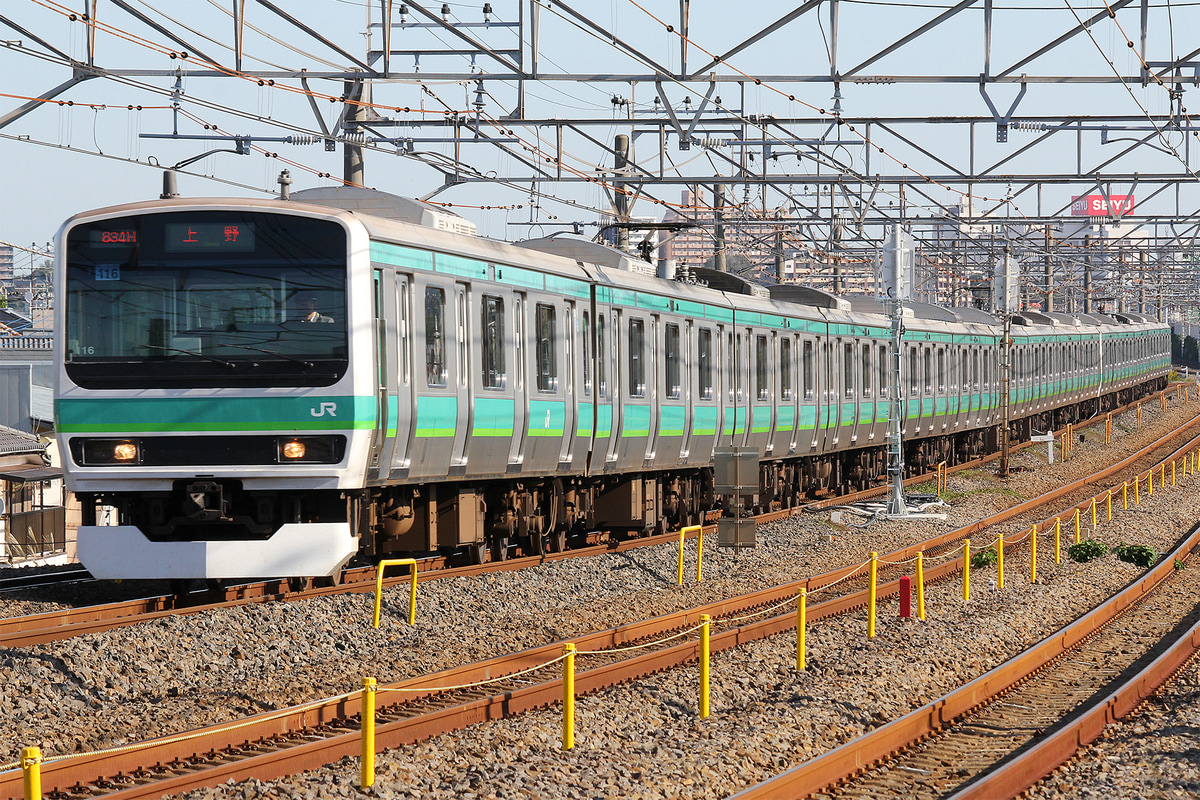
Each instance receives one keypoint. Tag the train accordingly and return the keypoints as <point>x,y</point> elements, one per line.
<point>267,388</point>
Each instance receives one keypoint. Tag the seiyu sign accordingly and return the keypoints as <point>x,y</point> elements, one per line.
<point>1097,205</point>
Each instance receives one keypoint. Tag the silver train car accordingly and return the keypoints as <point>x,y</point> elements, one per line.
<point>265,388</point>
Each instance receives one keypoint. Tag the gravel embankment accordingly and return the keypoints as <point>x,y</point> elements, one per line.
<point>642,740</point>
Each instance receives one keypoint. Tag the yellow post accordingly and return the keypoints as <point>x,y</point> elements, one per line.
<point>921,585</point>
<point>31,765</point>
<point>368,733</point>
<point>1033,554</point>
<point>699,553</point>
<point>1108,505</point>
<point>871,590</point>
<point>1137,496</point>
<point>801,622</point>
<point>1125,496</point>
<point>1150,481</point>
<point>1057,540</point>
<point>1162,475</point>
<point>679,580</point>
<point>568,736</point>
<point>412,587</point>
<point>966,570</point>
<point>1093,513</point>
<point>1000,560</point>
<point>1139,414</point>
<point>1077,526</point>
<point>705,624</point>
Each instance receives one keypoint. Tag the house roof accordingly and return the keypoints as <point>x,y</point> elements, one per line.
<point>15,442</point>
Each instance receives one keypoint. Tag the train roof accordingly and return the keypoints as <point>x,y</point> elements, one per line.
<point>386,205</point>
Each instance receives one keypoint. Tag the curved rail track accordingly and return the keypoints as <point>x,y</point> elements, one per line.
<point>303,737</point>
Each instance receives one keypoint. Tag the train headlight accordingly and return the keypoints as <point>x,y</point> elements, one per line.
<point>294,450</point>
<point>110,452</point>
<point>125,452</point>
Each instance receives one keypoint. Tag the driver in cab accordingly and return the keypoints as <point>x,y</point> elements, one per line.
<point>309,311</point>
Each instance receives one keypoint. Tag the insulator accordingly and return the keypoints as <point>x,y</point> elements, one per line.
<point>302,138</point>
<point>355,138</point>
<point>712,142</point>
<point>1028,126</point>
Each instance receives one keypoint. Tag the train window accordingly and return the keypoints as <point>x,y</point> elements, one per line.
<point>866,370</point>
<point>601,361</point>
<point>928,363</point>
<point>674,388</point>
<point>736,390</point>
<point>547,356</point>
<point>884,365</point>
<point>435,336</point>
<point>848,370</point>
<point>914,376</point>
<point>964,370</point>
<point>492,330</point>
<point>809,383</point>
<point>586,332</point>
<point>785,369</point>
<point>705,352</point>
<point>941,370</point>
<point>761,380</point>
<point>637,364</point>
<point>519,341</point>
<point>402,332</point>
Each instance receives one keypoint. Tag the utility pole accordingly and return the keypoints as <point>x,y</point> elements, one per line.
<point>1006,304</point>
<point>357,92</point>
<point>719,227</point>
<point>620,198</point>
<point>1048,306</point>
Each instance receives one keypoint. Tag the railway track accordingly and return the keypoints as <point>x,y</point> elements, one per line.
<point>300,738</point>
<point>1039,706</point>
<point>32,629</point>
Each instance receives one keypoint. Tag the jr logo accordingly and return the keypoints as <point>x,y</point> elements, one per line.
<point>320,412</point>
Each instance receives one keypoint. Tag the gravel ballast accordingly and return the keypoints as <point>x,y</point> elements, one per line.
<point>640,740</point>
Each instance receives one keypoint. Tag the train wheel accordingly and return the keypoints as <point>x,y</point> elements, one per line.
<point>500,548</point>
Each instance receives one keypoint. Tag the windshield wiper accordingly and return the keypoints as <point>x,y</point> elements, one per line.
<point>301,362</point>
<point>223,363</point>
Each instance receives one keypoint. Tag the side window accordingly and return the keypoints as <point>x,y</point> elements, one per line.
<point>493,342</point>
<point>674,387</point>
<point>736,389</point>
<point>785,369</point>
<point>884,370</point>
<point>547,357</point>
<point>761,380</point>
<point>601,358</point>
<point>941,369</point>
<point>848,370</point>
<point>866,370</point>
<point>586,332</point>
<point>705,353</point>
<point>435,336</point>
<point>914,375</point>
<point>809,383</point>
<point>928,363</point>
<point>637,364</point>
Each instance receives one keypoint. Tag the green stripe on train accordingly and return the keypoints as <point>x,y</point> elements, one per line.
<point>217,413</point>
<point>493,416</point>
<point>437,417</point>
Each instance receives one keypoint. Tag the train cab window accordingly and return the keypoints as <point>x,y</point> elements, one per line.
<point>547,357</point>
<point>492,330</point>
<point>866,370</point>
<point>586,340</point>
<point>637,363</point>
<point>785,369</point>
<point>704,348</point>
<point>601,360</point>
<point>435,336</point>
<point>848,371</point>
<point>809,383</point>
<point>884,367</point>
<point>762,386</point>
<point>674,387</point>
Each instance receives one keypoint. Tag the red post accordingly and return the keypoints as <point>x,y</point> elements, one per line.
<point>905,597</point>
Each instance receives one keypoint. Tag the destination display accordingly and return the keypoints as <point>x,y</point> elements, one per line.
<point>181,237</point>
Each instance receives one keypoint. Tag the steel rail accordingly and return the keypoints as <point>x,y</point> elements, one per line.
<point>266,728</point>
<point>823,772</point>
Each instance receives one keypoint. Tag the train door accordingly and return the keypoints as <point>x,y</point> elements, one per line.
<point>809,425</point>
<point>686,390</point>
<point>437,414</point>
<point>762,391</point>
<point>833,392</point>
<point>615,361</point>
<point>654,386</point>
<point>783,429</point>
<point>570,383</point>
<point>461,376</point>
<point>382,442</point>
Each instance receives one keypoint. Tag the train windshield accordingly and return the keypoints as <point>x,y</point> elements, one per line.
<point>199,299</point>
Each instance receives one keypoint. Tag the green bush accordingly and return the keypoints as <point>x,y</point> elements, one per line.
<point>1179,564</point>
<point>1137,554</point>
<point>984,558</point>
<point>1087,550</point>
